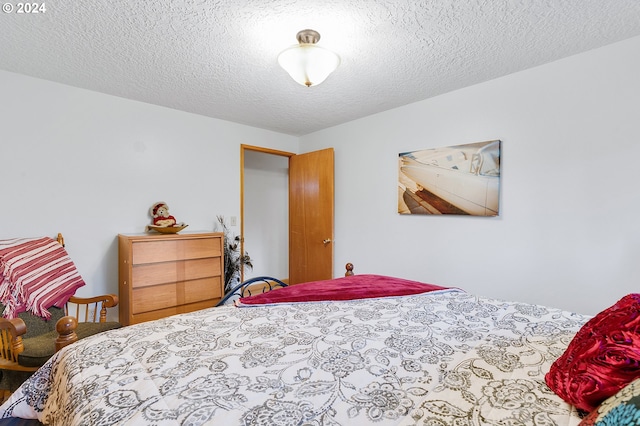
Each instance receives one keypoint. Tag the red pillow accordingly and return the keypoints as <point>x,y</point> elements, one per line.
<point>602,358</point>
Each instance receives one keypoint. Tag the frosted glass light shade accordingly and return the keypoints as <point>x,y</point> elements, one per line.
<point>308,64</point>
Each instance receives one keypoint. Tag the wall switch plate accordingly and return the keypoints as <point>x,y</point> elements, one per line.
<point>233,221</point>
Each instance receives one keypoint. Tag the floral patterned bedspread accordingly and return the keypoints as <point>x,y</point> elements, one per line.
<point>435,359</point>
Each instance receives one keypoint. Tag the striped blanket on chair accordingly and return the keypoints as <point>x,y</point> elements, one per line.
<point>35,274</point>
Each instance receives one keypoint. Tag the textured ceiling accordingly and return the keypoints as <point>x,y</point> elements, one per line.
<point>218,57</point>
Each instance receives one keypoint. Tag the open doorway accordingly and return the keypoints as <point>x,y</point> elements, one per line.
<point>264,211</point>
<point>289,222</point>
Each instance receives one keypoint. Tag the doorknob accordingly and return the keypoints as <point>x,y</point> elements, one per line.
<point>327,241</point>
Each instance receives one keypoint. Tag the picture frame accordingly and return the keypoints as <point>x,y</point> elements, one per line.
<point>459,180</point>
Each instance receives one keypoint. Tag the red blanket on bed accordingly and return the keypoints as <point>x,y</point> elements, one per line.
<point>346,288</point>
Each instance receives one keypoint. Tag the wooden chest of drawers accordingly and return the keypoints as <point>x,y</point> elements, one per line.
<point>167,274</point>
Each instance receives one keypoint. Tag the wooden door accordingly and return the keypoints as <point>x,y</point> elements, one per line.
<point>311,219</point>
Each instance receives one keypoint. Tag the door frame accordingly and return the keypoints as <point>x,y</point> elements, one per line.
<point>243,148</point>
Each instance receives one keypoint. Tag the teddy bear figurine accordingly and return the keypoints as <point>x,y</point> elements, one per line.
<point>161,218</point>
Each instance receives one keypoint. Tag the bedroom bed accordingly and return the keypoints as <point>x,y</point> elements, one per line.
<point>362,349</point>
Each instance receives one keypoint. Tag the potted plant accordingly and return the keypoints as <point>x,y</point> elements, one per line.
<point>234,261</point>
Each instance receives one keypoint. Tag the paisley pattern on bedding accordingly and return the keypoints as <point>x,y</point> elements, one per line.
<point>434,359</point>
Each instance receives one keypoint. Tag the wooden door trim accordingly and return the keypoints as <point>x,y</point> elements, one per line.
<point>265,150</point>
<point>244,147</point>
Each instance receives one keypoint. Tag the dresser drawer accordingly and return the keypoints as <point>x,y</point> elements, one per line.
<point>169,250</point>
<point>159,273</point>
<point>152,298</point>
<point>162,313</point>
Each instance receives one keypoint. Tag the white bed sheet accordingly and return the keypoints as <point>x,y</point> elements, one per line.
<point>435,359</point>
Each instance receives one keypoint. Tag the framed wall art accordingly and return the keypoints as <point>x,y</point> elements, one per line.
<point>459,180</point>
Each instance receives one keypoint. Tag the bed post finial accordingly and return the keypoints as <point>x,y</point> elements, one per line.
<point>60,239</point>
<point>349,267</point>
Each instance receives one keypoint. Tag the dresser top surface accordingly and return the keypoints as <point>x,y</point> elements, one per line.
<point>155,235</point>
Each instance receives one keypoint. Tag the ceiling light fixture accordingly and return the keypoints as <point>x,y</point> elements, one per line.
<point>306,62</point>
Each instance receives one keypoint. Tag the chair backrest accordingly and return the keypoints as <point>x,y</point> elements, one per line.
<point>90,309</point>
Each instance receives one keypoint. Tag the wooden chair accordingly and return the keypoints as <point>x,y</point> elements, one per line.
<point>28,341</point>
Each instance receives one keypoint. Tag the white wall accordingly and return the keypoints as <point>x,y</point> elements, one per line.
<point>568,233</point>
<point>90,165</point>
